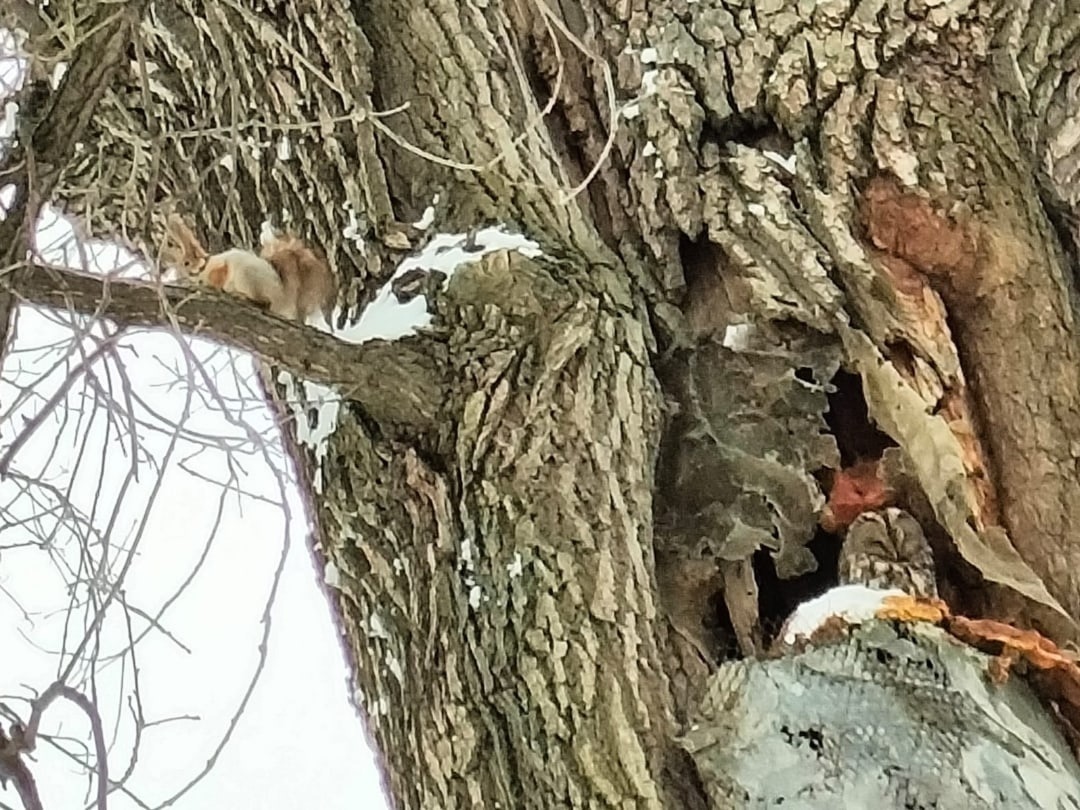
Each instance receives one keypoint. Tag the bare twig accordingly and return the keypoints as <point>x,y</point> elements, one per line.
<point>28,431</point>
<point>25,738</point>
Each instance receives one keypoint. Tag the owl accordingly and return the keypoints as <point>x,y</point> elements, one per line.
<point>887,549</point>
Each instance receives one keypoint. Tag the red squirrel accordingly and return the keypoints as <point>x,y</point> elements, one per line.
<point>286,276</point>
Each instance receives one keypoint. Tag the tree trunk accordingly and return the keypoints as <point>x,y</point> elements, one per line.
<point>809,233</point>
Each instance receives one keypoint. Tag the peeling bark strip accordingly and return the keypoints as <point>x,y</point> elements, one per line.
<point>1001,277</point>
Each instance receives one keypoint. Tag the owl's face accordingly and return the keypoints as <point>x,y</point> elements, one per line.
<point>888,549</point>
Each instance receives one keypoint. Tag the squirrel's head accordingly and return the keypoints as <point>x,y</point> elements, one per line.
<point>182,249</point>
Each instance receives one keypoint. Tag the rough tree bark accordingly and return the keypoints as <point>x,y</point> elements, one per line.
<point>814,231</point>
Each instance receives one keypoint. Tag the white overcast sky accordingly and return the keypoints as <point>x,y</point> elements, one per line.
<point>299,742</point>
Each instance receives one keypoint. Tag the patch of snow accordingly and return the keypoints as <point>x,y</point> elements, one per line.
<point>328,404</point>
<point>649,81</point>
<point>284,148</point>
<point>376,628</point>
<point>737,336</point>
<point>426,219</point>
<point>332,576</point>
<point>7,126</point>
<point>475,596</point>
<point>631,111</point>
<point>57,74</point>
<point>514,568</point>
<point>649,149</point>
<point>7,197</point>
<point>787,163</point>
<point>649,56</point>
<point>302,396</point>
<point>428,216</point>
<point>757,209</point>
<point>267,234</point>
<point>387,318</point>
<point>852,603</point>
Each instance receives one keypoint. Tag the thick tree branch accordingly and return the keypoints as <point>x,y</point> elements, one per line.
<point>398,382</point>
